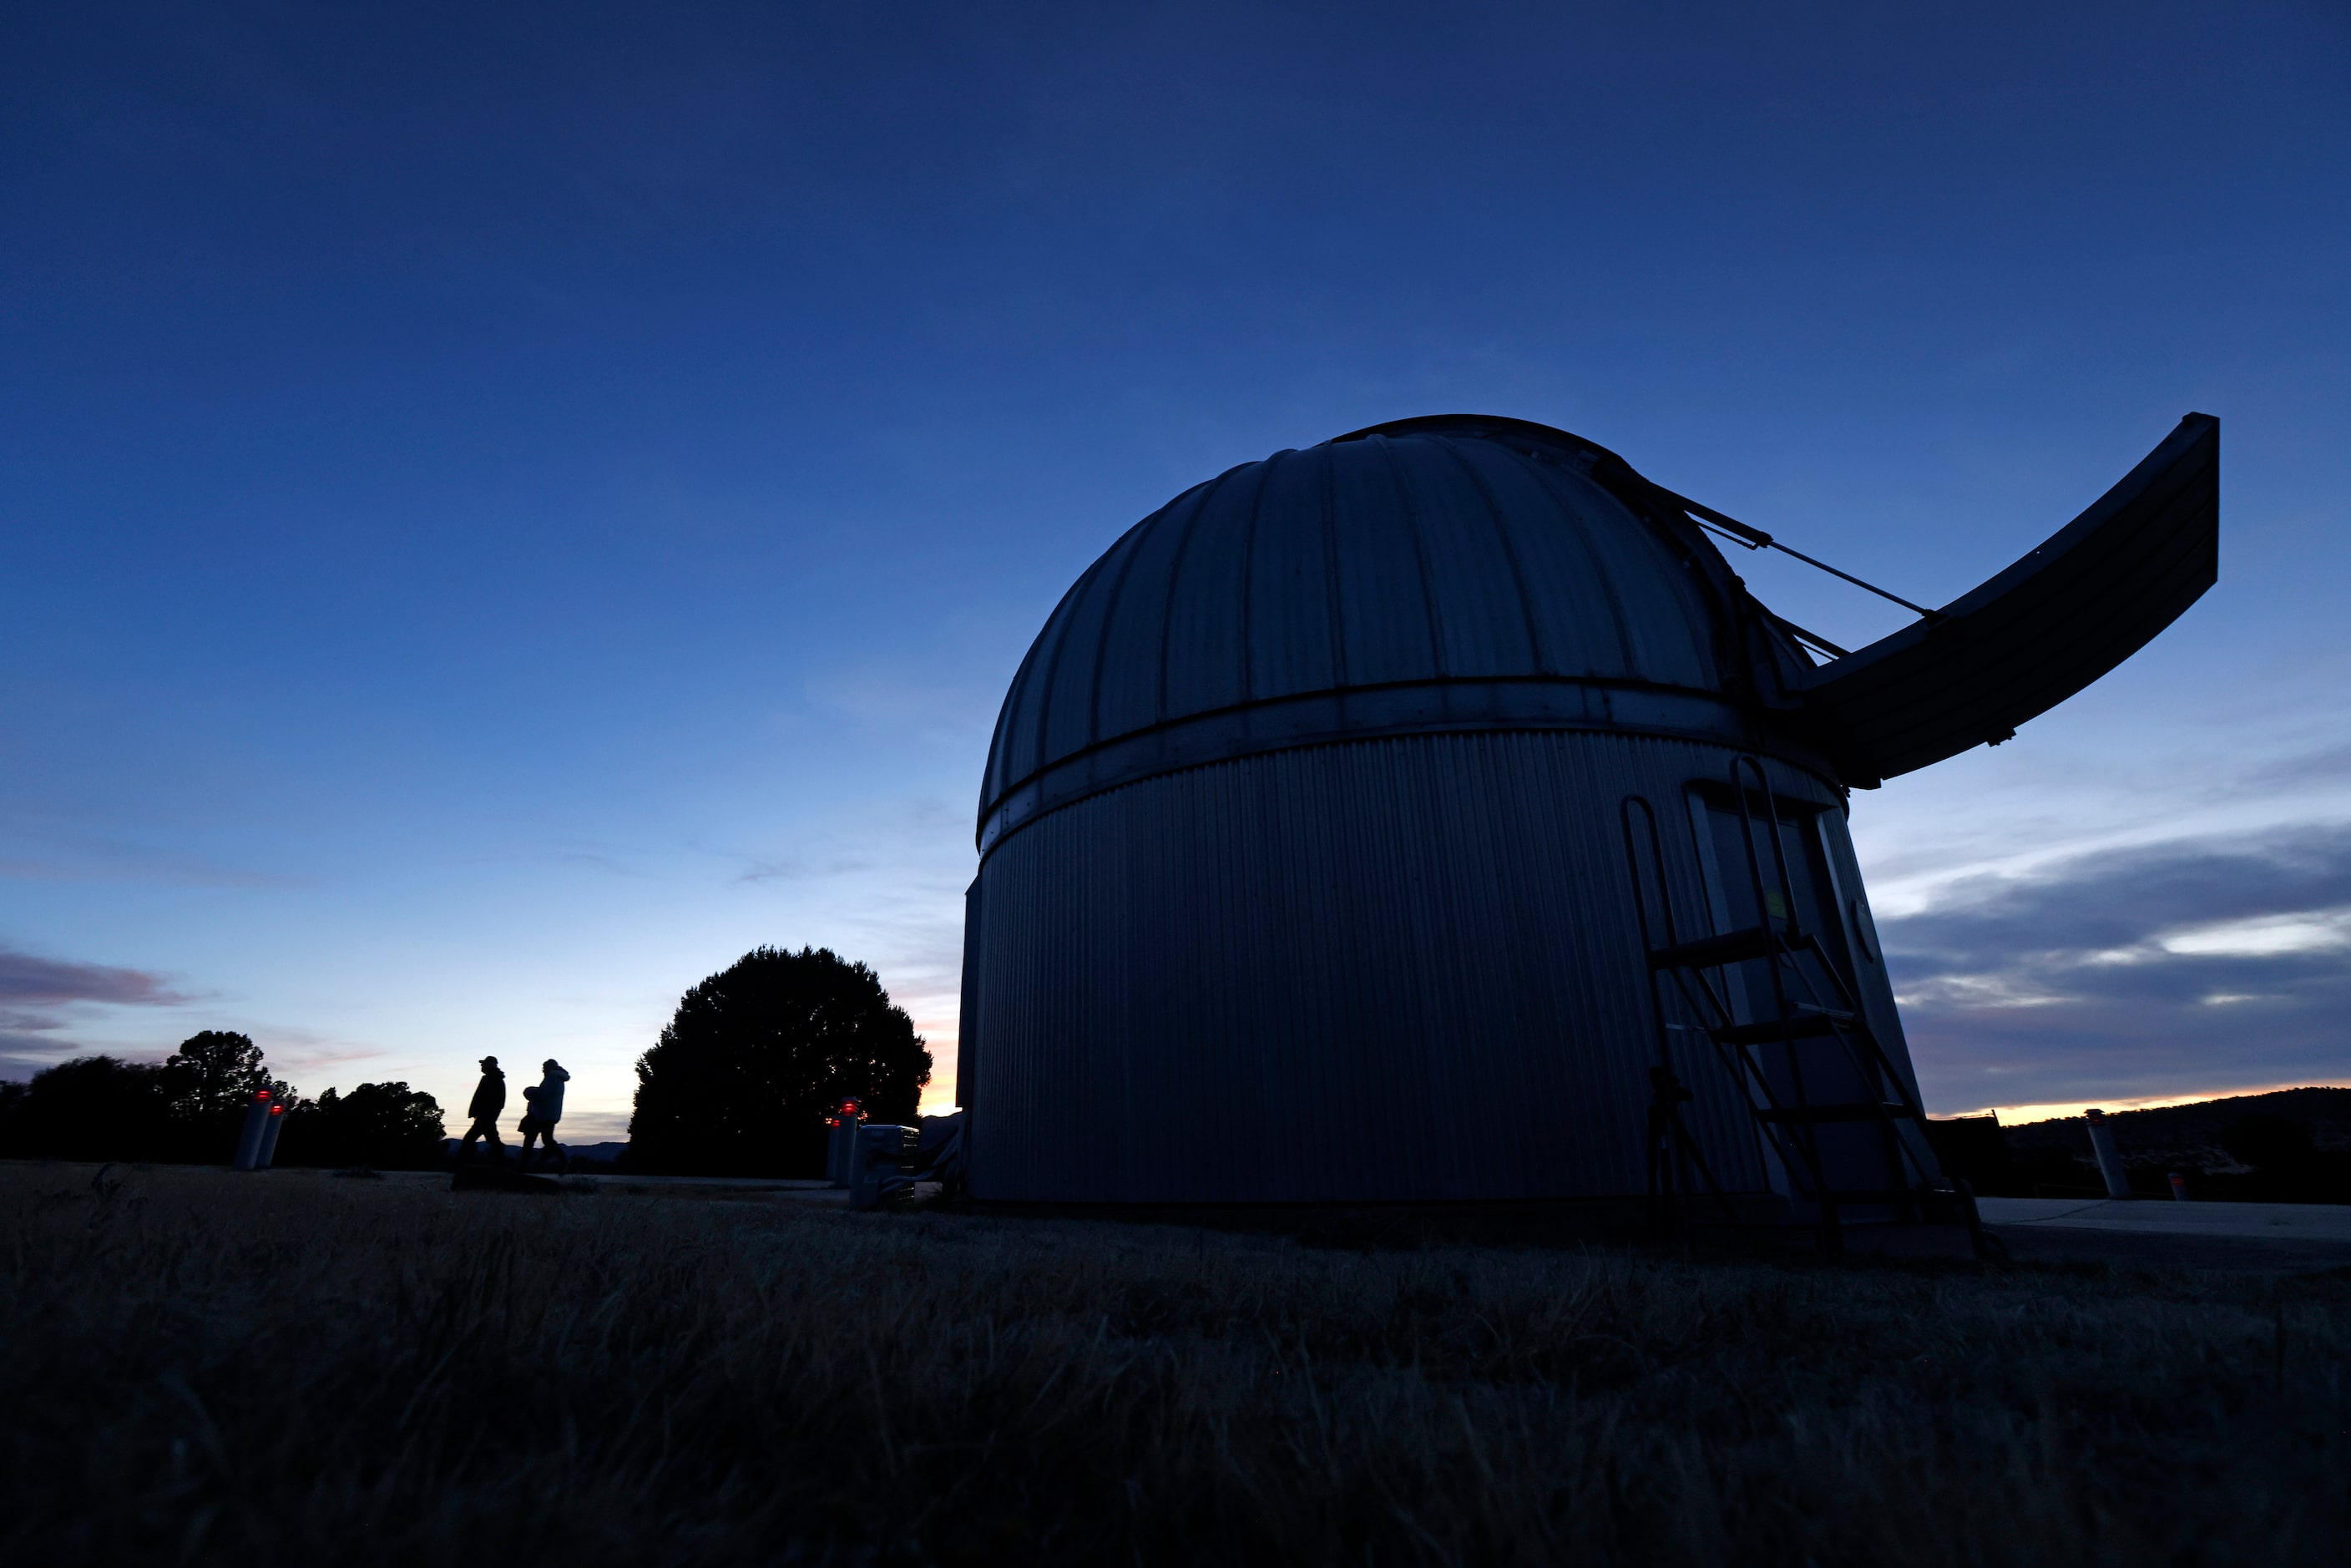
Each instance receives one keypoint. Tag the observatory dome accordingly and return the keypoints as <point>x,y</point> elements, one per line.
<point>1455,572</point>
<point>1432,816</point>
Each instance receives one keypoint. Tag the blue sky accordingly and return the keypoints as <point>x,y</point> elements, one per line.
<point>503,508</point>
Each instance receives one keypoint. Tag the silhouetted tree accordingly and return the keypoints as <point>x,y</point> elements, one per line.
<point>190,1106</point>
<point>213,1074</point>
<point>2271,1144</point>
<point>209,1081</point>
<point>739,1081</point>
<point>92,1108</point>
<point>385,1126</point>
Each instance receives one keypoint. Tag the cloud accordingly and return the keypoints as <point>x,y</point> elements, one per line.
<point>2159,968</point>
<point>795,869</point>
<point>907,697</point>
<point>591,861</point>
<point>92,859</point>
<point>2264,935</point>
<point>37,995</point>
<point>2330,764</point>
<point>21,1057</point>
<point>26,979</point>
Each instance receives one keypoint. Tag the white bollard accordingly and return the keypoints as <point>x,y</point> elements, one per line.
<point>840,1152</point>
<point>276,1124</point>
<point>255,1128</point>
<point>2110,1162</point>
<point>879,1177</point>
<point>841,1141</point>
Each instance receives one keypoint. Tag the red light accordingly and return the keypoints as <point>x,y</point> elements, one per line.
<point>278,1110</point>
<point>261,1094</point>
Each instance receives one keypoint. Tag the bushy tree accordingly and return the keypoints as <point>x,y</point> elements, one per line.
<point>94,1108</point>
<point>2270,1143</point>
<point>740,1080</point>
<point>384,1126</point>
<point>214,1074</point>
<point>209,1082</point>
<point>190,1106</point>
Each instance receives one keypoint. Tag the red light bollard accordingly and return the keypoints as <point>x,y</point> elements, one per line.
<point>276,1125</point>
<point>840,1144</point>
<point>257,1130</point>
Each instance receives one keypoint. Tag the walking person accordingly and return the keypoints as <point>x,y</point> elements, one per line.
<point>546,1099</point>
<point>489,1100</point>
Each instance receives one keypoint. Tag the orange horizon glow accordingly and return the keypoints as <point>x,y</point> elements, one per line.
<point>2021,1115</point>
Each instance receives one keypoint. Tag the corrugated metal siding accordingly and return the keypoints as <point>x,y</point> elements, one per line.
<point>1486,622</point>
<point>1391,970</point>
<point>1203,601</point>
<point>1360,563</point>
<point>1294,632</point>
<point>1604,600</point>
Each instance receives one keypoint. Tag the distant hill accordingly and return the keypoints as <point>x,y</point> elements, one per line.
<point>2190,1135</point>
<point>2053,1158</point>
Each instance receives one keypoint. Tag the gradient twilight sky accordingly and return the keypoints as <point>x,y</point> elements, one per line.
<point>505,508</point>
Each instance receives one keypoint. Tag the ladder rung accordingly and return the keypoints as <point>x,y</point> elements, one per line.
<point>1803,1026</point>
<point>1731,947</point>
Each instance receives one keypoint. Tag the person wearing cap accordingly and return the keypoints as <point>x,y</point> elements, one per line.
<point>489,1099</point>
<point>546,1099</point>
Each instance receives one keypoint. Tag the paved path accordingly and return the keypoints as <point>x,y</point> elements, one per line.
<point>771,1189</point>
<point>767,1188</point>
<point>2156,1217</point>
<point>2239,1238</point>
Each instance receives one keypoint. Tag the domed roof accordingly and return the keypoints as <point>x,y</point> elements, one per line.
<point>1436,572</point>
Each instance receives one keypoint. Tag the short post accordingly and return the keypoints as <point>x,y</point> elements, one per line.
<point>275,1125</point>
<point>840,1142</point>
<point>2110,1162</point>
<point>255,1128</point>
<point>2179,1187</point>
<point>879,1179</point>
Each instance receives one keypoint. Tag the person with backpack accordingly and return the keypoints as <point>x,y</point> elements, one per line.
<point>546,1100</point>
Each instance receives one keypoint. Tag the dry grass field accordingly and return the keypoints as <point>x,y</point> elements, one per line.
<point>298,1369</point>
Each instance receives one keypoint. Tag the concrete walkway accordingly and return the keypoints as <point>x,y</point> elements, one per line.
<point>773,1189</point>
<point>769,1189</point>
<point>2158,1216</point>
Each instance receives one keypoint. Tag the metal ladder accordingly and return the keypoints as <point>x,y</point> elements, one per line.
<point>1807,999</point>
